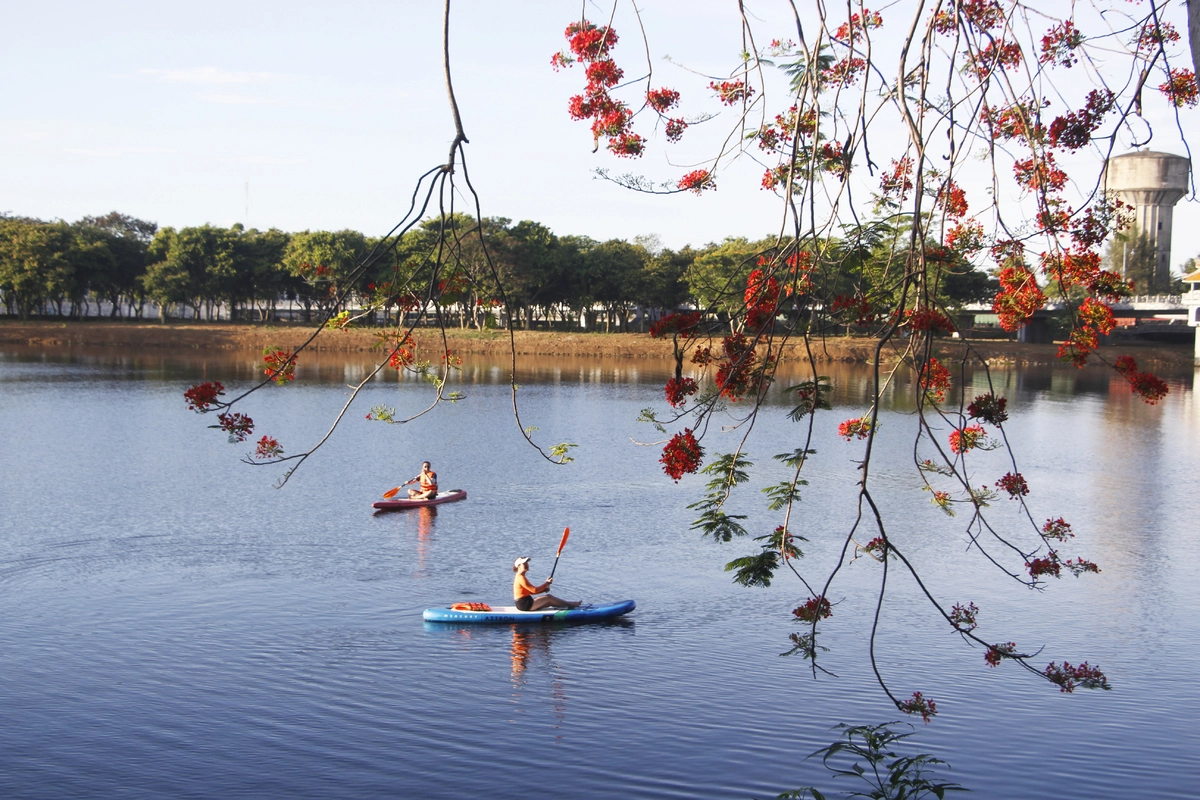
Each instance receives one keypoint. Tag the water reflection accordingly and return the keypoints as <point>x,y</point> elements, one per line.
<point>422,520</point>
<point>853,383</point>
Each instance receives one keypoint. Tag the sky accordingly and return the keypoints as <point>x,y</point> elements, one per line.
<point>317,115</point>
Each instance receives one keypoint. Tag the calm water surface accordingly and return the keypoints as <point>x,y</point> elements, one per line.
<point>173,626</point>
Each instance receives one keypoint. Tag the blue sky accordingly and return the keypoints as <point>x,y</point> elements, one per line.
<point>330,111</point>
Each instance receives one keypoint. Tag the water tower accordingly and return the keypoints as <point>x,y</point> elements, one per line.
<point>1152,183</point>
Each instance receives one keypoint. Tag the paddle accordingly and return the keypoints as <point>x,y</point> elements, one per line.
<point>390,493</point>
<point>561,545</point>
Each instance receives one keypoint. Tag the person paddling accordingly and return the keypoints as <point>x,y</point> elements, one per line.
<point>525,592</point>
<point>427,481</point>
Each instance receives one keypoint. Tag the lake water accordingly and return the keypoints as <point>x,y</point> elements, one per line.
<point>174,626</point>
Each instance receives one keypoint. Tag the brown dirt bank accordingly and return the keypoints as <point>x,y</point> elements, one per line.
<point>53,335</point>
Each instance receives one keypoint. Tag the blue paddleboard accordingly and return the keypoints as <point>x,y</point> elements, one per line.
<point>504,615</point>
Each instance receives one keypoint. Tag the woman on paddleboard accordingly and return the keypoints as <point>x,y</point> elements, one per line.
<point>427,480</point>
<point>525,592</point>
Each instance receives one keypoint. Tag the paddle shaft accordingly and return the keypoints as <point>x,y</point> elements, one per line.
<point>561,545</point>
<point>390,493</point>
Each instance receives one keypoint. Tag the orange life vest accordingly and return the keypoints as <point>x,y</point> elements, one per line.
<point>470,607</point>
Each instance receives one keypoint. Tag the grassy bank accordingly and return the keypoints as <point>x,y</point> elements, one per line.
<point>55,335</point>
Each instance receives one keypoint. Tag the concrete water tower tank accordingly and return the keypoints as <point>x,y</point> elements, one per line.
<point>1152,183</point>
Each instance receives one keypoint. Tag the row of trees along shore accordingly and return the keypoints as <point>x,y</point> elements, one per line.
<point>117,265</point>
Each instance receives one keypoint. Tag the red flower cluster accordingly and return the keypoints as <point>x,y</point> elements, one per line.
<point>1013,483</point>
<point>998,54</point>
<point>1052,565</point>
<point>967,438</point>
<point>1095,319</point>
<point>1044,566</point>
<point>935,380</point>
<point>929,319</point>
<point>965,237</point>
<point>203,395</point>
<point>1019,297</point>
<point>918,704</point>
<point>988,408</point>
<point>309,272</point>
<point>735,370</point>
<point>1180,88</point>
<point>731,92</point>
<point>590,45</point>
<point>963,617</point>
<point>268,448</point>
<point>400,358</point>
<point>682,455</point>
<point>1016,121</point>
<point>675,129</point>
<point>678,391</point>
<point>1058,529</point>
<point>238,426</point>
<point>662,100</point>
<point>859,306</point>
<point>859,427</point>
<point>852,31</point>
<point>876,545</point>
<point>1092,227</point>
<point>281,364</point>
<point>983,15</point>
<point>953,199</point>
<point>816,608</point>
<point>1150,387</point>
<point>1040,173</point>
<point>1074,130</point>
<point>697,181</point>
<point>1154,35</point>
<point>833,160</point>
<point>998,652</point>
<point>685,325</point>
<point>762,299</point>
<point>1060,43</point>
<point>1068,677</point>
<point>844,72</point>
<point>897,181</point>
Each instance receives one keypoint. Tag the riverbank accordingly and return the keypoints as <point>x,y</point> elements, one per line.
<point>55,335</point>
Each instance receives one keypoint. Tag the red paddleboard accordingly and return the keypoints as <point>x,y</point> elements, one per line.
<point>396,504</point>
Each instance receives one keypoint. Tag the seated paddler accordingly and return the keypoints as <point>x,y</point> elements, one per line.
<point>427,483</point>
<point>534,598</point>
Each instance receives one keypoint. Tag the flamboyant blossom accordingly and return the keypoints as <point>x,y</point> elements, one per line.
<point>268,447</point>
<point>967,438</point>
<point>935,380</point>
<point>859,427</point>
<point>697,181</point>
<point>682,455</point>
<point>203,395</point>
<point>1013,483</point>
<point>280,364</point>
<point>998,652</point>
<point>1068,677</point>
<point>964,617</point>
<point>1151,388</point>
<point>679,390</point>
<point>238,426</point>
<point>815,608</point>
<point>919,704</point>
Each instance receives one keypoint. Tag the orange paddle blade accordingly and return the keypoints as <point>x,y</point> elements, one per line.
<point>563,543</point>
<point>390,493</point>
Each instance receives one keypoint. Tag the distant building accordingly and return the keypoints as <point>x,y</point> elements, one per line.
<point>1191,299</point>
<point>1152,183</point>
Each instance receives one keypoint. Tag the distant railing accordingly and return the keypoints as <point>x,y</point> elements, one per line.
<point>1155,299</point>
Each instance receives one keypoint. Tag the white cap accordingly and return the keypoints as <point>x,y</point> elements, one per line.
<point>520,561</point>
